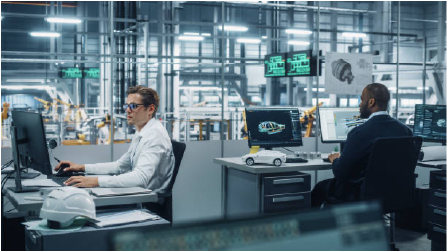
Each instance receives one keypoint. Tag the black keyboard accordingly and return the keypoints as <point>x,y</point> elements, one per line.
<point>296,160</point>
<point>326,160</point>
<point>59,180</point>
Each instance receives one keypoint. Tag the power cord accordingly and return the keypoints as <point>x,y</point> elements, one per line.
<point>5,179</point>
<point>288,149</point>
<point>7,164</point>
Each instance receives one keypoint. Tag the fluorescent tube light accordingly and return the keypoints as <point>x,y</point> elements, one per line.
<point>64,20</point>
<point>295,42</point>
<point>264,37</point>
<point>190,38</point>
<point>191,33</point>
<point>25,80</point>
<point>234,28</point>
<point>21,87</point>
<point>315,89</point>
<point>198,88</point>
<point>206,34</point>
<point>296,31</point>
<point>248,40</point>
<point>354,35</point>
<point>422,88</point>
<point>45,34</point>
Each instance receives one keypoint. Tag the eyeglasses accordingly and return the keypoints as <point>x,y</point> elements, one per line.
<point>132,106</point>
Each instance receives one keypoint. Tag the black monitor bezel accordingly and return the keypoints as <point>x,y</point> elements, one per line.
<point>319,124</point>
<point>44,168</point>
<point>272,145</point>
<point>427,139</point>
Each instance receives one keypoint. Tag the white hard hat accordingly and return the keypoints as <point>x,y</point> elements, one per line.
<point>63,205</point>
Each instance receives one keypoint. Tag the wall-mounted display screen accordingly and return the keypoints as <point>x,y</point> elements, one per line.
<point>78,73</point>
<point>70,73</point>
<point>275,65</point>
<point>91,73</point>
<point>300,63</point>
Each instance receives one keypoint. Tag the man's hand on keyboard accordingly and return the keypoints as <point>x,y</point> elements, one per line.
<point>81,181</point>
<point>72,166</point>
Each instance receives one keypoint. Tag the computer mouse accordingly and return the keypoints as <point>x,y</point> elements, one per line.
<point>62,173</point>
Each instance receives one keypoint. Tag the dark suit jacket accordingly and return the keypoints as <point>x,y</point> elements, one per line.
<point>350,168</point>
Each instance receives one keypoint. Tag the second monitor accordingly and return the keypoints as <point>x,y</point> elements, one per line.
<point>336,123</point>
<point>271,127</point>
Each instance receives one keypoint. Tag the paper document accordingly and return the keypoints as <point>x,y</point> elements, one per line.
<point>41,225</point>
<point>106,192</point>
<point>124,218</point>
<point>40,182</point>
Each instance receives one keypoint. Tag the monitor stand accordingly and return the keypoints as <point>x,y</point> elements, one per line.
<point>26,175</point>
<point>24,189</point>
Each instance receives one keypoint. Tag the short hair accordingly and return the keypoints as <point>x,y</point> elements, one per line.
<point>379,93</point>
<point>149,96</point>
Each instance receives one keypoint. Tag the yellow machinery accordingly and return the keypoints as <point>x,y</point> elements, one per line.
<point>106,121</point>
<point>308,116</point>
<point>5,109</point>
<point>47,105</point>
<point>70,107</point>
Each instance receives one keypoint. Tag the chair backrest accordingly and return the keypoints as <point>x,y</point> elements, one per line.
<point>390,173</point>
<point>178,149</point>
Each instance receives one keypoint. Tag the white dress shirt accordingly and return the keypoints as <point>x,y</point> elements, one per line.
<point>148,163</point>
<point>376,114</point>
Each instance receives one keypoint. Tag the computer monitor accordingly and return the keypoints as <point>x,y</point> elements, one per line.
<point>29,145</point>
<point>430,122</point>
<point>336,123</point>
<point>273,127</point>
<point>357,226</point>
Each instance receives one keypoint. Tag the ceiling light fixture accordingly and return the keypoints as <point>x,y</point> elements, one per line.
<point>191,33</point>
<point>45,34</point>
<point>248,40</point>
<point>190,38</point>
<point>64,20</point>
<point>234,28</point>
<point>206,34</point>
<point>296,31</point>
<point>296,42</point>
<point>353,35</point>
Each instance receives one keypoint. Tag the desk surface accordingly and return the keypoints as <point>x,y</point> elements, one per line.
<point>440,164</point>
<point>236,163</point>
<point>21,204</point>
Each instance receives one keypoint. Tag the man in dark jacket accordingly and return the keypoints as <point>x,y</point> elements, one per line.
<point>349,168</point>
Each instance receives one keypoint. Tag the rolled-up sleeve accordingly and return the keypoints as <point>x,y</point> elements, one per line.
<point>144,170</point>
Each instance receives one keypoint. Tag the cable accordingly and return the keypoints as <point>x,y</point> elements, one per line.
<point>288,149</point>
<point>5,179</point>
<point>7,164</point>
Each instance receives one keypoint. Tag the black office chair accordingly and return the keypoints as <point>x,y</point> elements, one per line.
<point>166,209</point>
<point>390,175</point>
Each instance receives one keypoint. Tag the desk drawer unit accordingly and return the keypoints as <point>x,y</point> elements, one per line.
<point>436,215</point>
<point>436,233</point>
<point>437,180</point>
<point>287,184</point>
<point>286,202</point>
<point>437,198</point>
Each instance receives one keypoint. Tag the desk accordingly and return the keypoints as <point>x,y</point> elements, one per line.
<point>244,186</point>
<point>23,205</point>
<point>439,164</point>
<point>87,238</point>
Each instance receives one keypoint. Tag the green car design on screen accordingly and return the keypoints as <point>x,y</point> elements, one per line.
<point>271,127</point>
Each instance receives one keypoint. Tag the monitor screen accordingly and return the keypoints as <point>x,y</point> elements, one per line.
<point>269,128</point>
<point>336,123</point>
<point>275,65</point>
<point>31,141</point>
<point>430,122</point>
<point>300,63</point>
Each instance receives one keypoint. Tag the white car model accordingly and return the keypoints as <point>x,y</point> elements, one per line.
<point>265,156</point>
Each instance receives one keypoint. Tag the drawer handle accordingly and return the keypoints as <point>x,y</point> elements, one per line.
<point>288,181</point>
<point>439,230</point>
<point>288,199</point>
<point>441,195</point>
<point>440,178</point>
<point>437,211</point>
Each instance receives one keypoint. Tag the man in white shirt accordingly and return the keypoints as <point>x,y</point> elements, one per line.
<point>149,162</point>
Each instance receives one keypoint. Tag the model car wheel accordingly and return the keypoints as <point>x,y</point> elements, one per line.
<point>277,162</point>
<point>250,161</point>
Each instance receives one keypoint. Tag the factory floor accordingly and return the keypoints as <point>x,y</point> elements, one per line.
<point>408,240</point>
